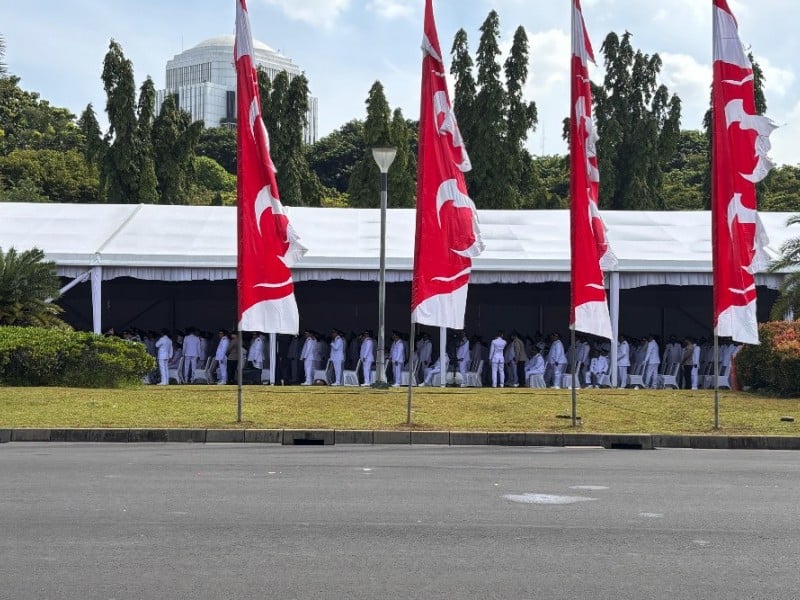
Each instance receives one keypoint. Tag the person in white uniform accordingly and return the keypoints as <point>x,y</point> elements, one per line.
<point>598,367</point>
<point>497,358</point>
<point>221,357</point>
<point>164,349</point>
<point>463,358</point>
<point>397,354</point>
<point>367,357</point>
<point>191,354</point>
<point>695,365</point>
<point>433,370</point>
<point>308,356</point>
<point>337,355</point>
<point>623,361</point>
<point>651,362</point>
<point>557,359</point>
<point>255,354</point>
<point>535,365</point>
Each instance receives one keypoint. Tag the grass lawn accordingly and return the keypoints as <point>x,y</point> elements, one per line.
<point>617,411</point>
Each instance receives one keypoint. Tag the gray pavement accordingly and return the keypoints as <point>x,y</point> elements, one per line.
<point>140,521</point>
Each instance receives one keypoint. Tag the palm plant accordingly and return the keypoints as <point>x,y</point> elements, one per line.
<point>789,299</point>
<point>28,283</point>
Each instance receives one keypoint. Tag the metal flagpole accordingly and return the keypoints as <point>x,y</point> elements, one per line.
<point>716,380</point>
<point>239,398</point>
<point>574,380</point>
<point>411,369</point>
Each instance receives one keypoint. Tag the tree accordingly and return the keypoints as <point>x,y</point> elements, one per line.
<point>148,184</point>
<point>174,140</point>
<point>121,168</point>
<point>219,143</point>
<point>49,175</point>
<point>522,115</point>
<point>781,190</point>
<point>639,125</point>
<point>94,147</point>
<point>549,183</point>
<point>364,187</point>
<point>789,296</point>
<point>490,182</point>
<point>403,174</point>
<point>334,156</point>
<point>465,88</point>
<point>28,283</point>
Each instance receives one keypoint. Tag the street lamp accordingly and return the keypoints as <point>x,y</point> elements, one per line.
<point>384,156</point>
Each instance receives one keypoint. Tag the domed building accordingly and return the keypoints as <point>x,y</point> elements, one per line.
<point>204,78</point>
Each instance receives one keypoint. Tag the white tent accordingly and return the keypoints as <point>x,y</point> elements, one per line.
<point>198,243</point>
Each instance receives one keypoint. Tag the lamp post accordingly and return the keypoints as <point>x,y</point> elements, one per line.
<point>384,156</point>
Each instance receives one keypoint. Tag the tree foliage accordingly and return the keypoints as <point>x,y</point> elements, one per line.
<point>28,283</point>
<point>174,139</point>
<point>148,183</point>
<point>48,175</point>
<point>789,260</point>
<point>219,143</point>
<point>364,188</point>
<point>638,122</point>
<point>334,156</point>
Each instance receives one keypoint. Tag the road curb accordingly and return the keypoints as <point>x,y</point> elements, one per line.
<point>329,437</point>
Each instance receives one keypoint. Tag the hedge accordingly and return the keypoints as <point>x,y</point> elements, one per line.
<point>35,356</point>
<point>774,365</point>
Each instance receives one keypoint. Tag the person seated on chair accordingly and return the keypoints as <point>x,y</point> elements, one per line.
<point>535,365</point>
<point>598,367</point>
<point>434,369</point>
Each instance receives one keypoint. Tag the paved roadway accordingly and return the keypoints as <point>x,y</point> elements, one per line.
<point>217,521</point>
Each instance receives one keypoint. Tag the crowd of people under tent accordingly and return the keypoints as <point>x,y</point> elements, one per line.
<point>514,360</point>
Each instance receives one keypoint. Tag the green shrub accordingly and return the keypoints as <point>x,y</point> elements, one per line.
<point>775,364</point>
<point>34,356</point>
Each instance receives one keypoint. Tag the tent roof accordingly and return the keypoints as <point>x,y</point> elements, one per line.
<point>204,237</point>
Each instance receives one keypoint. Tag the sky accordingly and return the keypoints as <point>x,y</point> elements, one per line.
<point>57,46</point>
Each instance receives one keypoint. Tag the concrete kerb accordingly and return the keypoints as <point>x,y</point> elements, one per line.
<point>369,437</point>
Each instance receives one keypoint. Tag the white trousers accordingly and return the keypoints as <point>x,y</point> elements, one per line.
<point>650,371</point>
<point>367,366</point>
<point>694,377</point>
<point>189,368</point>
<point>337,370</point>
<point>462,368</point>
<point>163,368</point>
<point>222,370</point>
<point>308,365</point>
<point>558,374</point>
<point>498,367</point>
<point>397,368</point>
<point>623,377</point>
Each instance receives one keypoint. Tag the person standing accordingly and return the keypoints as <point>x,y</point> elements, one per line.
<point>191,354</point>
<point>233,357</point>
<point>463,357</point>
<point>255,354</point>
<point>497,358</point>
<point>557,359</point>
<point>651,362</point>
<point>307,356</point>
<point>293,356</point>
<point>397,355</point>
<point>695,365</point>
<point>687,363</point>
<point>623,361</point>
<point>367,357</point>
<point>164,349</point>
<point>337,355</point>
<point>221,357</point>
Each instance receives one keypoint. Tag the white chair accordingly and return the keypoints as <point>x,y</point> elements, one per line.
<point>670,377</point>
<point>636,376</point>
<point>405,372</point>
<point>475,375</point>
<point>536,381</point>
<point>323,373</point>
<point>350,378</point>
<point>566,378</point>
<point>266,376</point>
<point>203,374</point>
<point>177,372</point>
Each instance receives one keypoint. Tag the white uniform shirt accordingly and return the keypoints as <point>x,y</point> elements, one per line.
<point>191,346</point>
<point>309,350</point>
<point>535,365</point>
<point>398,352</point>
<point>164,347</point>
<point>651,354</point>
<point>463,350</point>
<point>556,355</point>
<point>424,351</point>
<point>598,365</point>
<point>337,349</point>
<point>623,352</point>
<point>496,350</point>
<point>368,350</point>
<point>222,349</point>
<point>256,351</point>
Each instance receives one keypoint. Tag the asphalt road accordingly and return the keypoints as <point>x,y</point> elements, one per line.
<point>216,521</point>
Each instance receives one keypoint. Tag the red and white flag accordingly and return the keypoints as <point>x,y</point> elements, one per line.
<point>589,246</point>
<point>739,160</point>
<point>268,246</point>
<point>447,234</point>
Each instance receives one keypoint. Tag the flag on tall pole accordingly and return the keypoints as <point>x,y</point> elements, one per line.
<point>447,234</point>
<point>589,247</point>
<point>739,160</point>
<point>267,244</point>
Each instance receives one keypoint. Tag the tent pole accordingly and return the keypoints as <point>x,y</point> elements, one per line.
<point>716,380</point>
<point>97,300</point>
<point>574,378</point>
<point>614,329</point>
<point>239,369</point>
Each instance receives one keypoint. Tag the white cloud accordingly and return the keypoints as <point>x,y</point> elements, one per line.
<point>322,13</point>
<point>391,9</point>
<point>777,80</point>
<point>784,139</point>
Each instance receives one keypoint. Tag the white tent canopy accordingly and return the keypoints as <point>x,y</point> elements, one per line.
<point>187,243</point>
